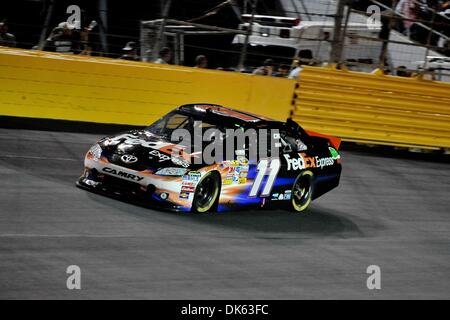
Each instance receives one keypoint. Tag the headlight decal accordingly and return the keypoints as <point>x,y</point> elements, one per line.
<point>171,171</point>
<point>96,151</point>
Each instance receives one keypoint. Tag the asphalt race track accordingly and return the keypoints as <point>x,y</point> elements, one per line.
<point>389,211</point>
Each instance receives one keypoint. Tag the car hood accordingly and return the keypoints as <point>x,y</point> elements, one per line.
<point>141,150</point>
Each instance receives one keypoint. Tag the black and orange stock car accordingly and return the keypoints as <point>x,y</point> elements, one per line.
<point>141,164</point>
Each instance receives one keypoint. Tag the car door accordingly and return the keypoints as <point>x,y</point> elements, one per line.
<point>292,155</point>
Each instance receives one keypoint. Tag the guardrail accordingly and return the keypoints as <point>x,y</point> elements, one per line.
<point>374,108</point>
<point>37,84</point>
<point>357,107</point>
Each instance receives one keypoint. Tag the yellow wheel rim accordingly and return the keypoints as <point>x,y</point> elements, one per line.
<point>211,197</point>
<point>302,207</point>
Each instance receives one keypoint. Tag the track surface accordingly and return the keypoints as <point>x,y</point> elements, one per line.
<point>389,212</point>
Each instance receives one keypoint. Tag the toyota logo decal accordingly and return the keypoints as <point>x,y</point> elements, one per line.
<point>129,158</point>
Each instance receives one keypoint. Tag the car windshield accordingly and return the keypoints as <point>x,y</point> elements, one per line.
<point>178,120</point>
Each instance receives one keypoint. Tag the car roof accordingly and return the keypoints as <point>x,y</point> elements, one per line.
<point>220,111</point>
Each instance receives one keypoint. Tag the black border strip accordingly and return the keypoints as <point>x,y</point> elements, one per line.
<point>9,122</point>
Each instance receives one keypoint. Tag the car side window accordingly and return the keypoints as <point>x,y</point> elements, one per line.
<point>177,121</point>
<point>292,144</point>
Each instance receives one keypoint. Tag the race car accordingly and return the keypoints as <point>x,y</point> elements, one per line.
<point>159,167</point>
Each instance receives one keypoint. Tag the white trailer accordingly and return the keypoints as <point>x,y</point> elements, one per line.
<point>282,38</point>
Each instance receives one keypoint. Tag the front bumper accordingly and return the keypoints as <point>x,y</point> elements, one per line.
<point>139,197</point>
<point>146,189</point>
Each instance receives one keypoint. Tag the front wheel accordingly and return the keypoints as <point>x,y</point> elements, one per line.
<point>302,191</point>
<point>206,193</point>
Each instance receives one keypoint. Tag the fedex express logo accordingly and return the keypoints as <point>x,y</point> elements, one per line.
<point>304,162</point>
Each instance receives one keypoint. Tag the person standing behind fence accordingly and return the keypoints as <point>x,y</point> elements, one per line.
<point>64,38</point>
<point>129,52</point>
<point>266,69</point>
<point>201,62</point>
<point>282,72</point>
<point>6,39</point>
<point>304,58</point>
<point>407,8</point>
<point>165,55</point>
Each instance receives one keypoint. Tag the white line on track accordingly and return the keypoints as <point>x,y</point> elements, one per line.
<point>12,156</point>
<point>12,235</point>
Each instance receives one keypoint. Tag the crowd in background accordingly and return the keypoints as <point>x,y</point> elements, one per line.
<point>6,39</point>
<point>67,39</point>
<point>434,13</point>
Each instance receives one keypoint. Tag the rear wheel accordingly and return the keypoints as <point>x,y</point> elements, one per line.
<point>206,193</point>
<point>302,191</point>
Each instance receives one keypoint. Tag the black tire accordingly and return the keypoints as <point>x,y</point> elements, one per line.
<point>206,193</point>
<point>302,191</point>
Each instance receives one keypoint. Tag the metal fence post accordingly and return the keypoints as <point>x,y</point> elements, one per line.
<point>160,38</point>
<point>337,44</point>
<point>247,38</point>
<point>384,46</point>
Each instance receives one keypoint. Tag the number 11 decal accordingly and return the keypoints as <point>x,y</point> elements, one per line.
<point>264,169</point>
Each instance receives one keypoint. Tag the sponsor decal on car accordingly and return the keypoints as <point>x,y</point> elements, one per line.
<point>310,162</point>
<point>324,162</point>
<point>242,180</point>
<point>286,195</point>
<point>243,161</point>
<point>134,140</point>
<point>236,171</point>
<point>187,189</point>
<point>335,154</point>
<point>240,175</point>
<point>189,183</point>
<point>305,162</point>
<point>228,178</point>
<point>122,174</point>
<point>230,164</point>
<point>294,163</point>
<point>127,158</point>
<point>161,156</point>
<point>192,176</point>
<point>180,162</point>
<point>184,195</point>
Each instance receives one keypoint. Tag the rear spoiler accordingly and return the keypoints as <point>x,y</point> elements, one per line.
<point>335,142</point>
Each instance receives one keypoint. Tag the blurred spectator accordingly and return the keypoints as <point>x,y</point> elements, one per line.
<point>283,71</point>
<point>266,69</point>
<point>64,38</point>
<point>201,62</point>
<point>402,71</point>
<point>130,52</point>
<point>407,8</point>
<point>444,28</point>
<point>165,55</point>
<point>423,12</point>
<point>6,39</point>
<point>304,58</point>
<point>351,64</point>
<point>86,49</point>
